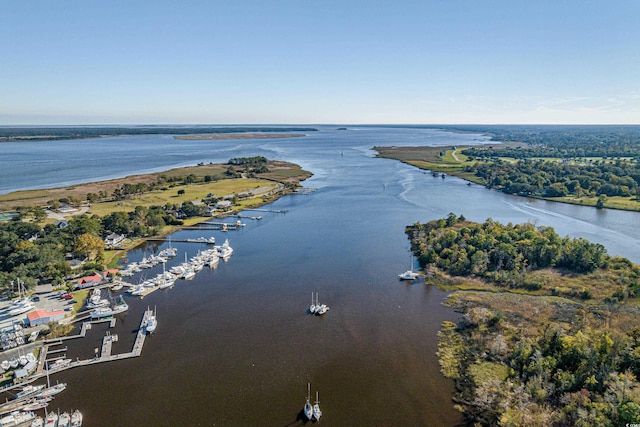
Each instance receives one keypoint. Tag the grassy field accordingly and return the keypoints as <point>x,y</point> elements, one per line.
<point>280,172</point>
<point>194,192</point>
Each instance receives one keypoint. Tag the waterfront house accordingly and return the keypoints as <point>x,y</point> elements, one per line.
<point>42,317</point>
<point>223,204</point>
<point>114,239</point>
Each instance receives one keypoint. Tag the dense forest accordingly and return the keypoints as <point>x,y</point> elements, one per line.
<point>19,133</point>
<point>542,178</point>
<point>550,334</point>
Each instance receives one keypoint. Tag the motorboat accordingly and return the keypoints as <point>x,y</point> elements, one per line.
<point>38,421</point>
<point>37,404</point>
<point>52,391</point>
<point>118,308</point>
<point>225,251</point>
<point>28,390</point>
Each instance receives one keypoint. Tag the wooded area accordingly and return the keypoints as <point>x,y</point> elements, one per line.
<point>550,335</point>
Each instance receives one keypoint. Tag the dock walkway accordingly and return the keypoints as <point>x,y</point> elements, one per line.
<point>105,351</point>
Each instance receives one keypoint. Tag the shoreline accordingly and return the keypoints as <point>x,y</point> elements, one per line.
<point>431,161</point>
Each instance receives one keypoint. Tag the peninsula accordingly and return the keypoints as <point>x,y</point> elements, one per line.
<point>138,207</point>
<point>550,333</point>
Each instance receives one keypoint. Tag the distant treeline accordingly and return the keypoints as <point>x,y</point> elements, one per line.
<point>561,141</point>
<point>52,133</point>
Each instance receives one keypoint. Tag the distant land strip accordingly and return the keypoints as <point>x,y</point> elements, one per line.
<point>19,133</point>
<point>212,136</point>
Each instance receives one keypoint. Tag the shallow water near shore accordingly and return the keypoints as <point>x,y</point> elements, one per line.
<point>236,345</point>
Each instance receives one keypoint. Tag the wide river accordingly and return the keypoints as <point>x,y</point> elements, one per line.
<point>235,346</point>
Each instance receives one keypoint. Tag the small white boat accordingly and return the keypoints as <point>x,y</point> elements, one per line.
<point>76,418</point>
<point>17,418</point>
<point>151,323</point>
<point>320,308</point>
<point>118,286</point>
<point>37,422</point>
<point>5,365</point>
<point>312,307</point>
<point>308,408</point>
<point>36,404</point>
<point>317,413</point>
<point>52,391</point>
<point>188,274</point>
<point>33,336</point>
<point>29,390</point>
<point>64,420</point>
<point>51,420</point>
<point>225,251</point>
<point>409,274</point>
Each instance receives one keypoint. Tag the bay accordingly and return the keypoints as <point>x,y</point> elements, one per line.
<point>235,346</point>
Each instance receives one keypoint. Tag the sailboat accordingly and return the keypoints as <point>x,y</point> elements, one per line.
<point>308,409</point>
<point>312,307</point>
<point>151,323</point>
<point>317,413</point>
<point>320,308</point>
<point>409,274</point>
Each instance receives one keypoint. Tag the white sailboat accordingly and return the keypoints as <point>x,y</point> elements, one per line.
<point>151,323</point>
<point>409,274</point>
<point>308,408</point>
<point>317,413</point>
<point>312,307</point>
<point>320,308</point>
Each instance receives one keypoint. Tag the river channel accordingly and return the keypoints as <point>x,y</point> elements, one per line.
<point>236,345</point>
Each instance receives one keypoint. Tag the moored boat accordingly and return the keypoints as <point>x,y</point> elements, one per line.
<point>51,420</point>
<point>76,418</point>
<point>52,391</point>
<point>317,413</point>
<point>64,420</point>
<point>151,323</point>
<point>308,408</point>
<point>28,390</point>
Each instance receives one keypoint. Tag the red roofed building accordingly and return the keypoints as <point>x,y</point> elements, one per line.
<point>42,317</point>
<point>87,281</point>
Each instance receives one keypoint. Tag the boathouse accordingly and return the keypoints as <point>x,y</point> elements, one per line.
<point>42,317</point>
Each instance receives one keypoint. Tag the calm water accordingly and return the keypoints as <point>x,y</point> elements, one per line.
<point>235,347</point>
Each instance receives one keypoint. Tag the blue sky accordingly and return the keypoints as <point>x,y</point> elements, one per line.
<point>303,61</point>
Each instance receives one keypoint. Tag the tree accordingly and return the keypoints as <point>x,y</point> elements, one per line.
<point>89,245</point>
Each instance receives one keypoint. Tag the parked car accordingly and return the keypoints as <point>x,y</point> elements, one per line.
<point>67,296</point>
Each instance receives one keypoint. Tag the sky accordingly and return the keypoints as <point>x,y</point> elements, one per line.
<point>66,62</point>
